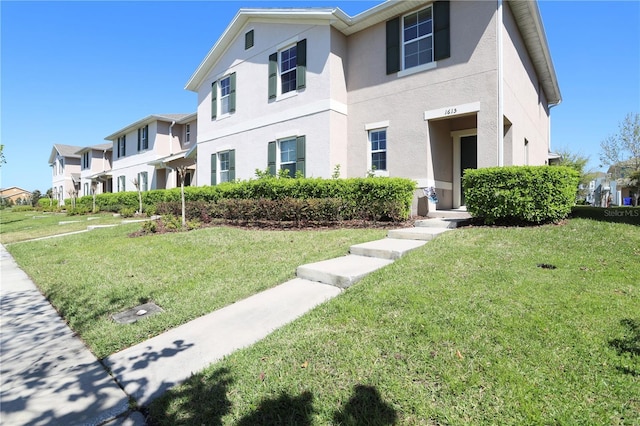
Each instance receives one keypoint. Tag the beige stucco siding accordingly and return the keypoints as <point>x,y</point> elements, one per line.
<point>525,105</point>
<point>468,76</point>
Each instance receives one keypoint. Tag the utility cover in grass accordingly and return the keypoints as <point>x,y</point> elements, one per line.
<point>134,314</point>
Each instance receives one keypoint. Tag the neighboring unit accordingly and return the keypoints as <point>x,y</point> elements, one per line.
<point>150,151</point>
<point>65,164</point>
<point>15,195</point>
<point>415,89</point>
<point>95,169</point>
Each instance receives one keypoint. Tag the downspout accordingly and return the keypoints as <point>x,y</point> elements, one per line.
<point>500,124</point>
<point>171,137</point>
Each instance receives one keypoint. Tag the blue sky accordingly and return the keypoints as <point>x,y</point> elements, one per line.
<point>75,72</point>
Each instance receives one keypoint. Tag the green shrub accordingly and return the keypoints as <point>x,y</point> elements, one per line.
<point>22,208</point>
<point>520,194</point>
<point>79,209</point>
<point>630,215</point>
<point>127,212</point>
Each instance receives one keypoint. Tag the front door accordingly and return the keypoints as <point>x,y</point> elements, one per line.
<point>468,158</point>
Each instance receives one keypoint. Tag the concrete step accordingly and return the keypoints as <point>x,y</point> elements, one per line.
<point>450,214</point>
<point>387,248</point>
<point>92,227</point>
<point>416,233</point>
<point>437,222</point>
<point>341,272</point>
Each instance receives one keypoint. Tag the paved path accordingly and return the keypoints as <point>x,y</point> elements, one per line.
<point>47,375</point>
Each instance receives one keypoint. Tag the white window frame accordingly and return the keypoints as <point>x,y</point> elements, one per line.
<point>187,132</point>
<point>417,39</point>
<point>222,171</point>
<point>281,71</point>
<point>281,163</point>
<point>222,97</point>
<point>86,189</point>
<point>377,127</point>
<point>144,138</point>
<point>143,177</point>
<point>122,183</point>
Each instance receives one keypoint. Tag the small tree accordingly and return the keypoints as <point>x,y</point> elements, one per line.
<point>35,196</point>
<point>50,196</point>
<point>182,173</point>
<point>94,189</point>
<point>622,152</point>
<point>577,162</point>
<point>72,194</point>
<point>136,183</point>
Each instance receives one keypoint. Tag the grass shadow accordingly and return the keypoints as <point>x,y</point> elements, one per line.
<point>629,344</point>
<point>366,407</point>
<point>283,410</point>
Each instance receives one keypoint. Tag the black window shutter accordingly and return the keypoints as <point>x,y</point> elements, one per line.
<point>214,100</point>
<point>300,154</point>
<point>214,164</point>
<point>139,139</point>
<point>273,75</point>
<point>232,165</point>
<point>248,40</point>
<point>301,64</point>
<point>271,158</point>
<point>393,45</point>
<point>441,33</point>
<point>232,92</point>
<point>124,145</point>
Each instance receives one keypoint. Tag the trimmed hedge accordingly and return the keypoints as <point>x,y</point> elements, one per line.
<point>520,194</point>
<point>630,215</point>
<point>377,198</point>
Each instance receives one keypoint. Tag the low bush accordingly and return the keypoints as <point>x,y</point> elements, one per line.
<point>520,194</point>
<point>630,215</point>
<point>78,210</point>
<point>22,208</point>
<point>127,212</point>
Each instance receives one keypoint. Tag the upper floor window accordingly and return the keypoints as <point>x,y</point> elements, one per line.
<point>378,148</point>
<point>417,38</point>
<point>61,166</point>
<point>187,133</point>
<point>248,40</point>
<point>143,138</point>
<point>85,160</point>
<point>287,69</point>
<point>223,96</point>
<point>122,146</point>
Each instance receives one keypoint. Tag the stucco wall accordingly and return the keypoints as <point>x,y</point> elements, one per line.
<point>525,105</point>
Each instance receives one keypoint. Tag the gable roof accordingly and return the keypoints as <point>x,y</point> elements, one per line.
<point>64,151</point>
<point>526,13</point>
<point>99,147</point>
<point>178,118</point>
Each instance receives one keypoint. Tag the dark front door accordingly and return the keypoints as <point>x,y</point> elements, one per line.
<point>468,158</point>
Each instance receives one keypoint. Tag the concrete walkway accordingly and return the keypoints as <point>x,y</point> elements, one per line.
<point>49,377</point>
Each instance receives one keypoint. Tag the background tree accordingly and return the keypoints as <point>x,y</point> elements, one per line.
<point>35,196</point>
<point>50,196</point>
<point>621,151</point>
<point>577,162</point>
<point>182,173</point>
<point>136,183</point>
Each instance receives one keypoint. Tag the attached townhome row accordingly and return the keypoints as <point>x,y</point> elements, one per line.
<point>415,89</point>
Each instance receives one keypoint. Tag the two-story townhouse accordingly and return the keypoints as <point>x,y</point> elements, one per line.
<point>95,169</point>
<point>418,89</point>
<point>150,150</point>
<point>65,170</point>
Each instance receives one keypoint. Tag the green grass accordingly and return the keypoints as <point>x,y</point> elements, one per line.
<point>466,330</point>
<point>89,277</point>
<point>22,226</point>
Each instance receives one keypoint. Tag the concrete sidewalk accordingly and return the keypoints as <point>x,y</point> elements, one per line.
<point>47,375</point>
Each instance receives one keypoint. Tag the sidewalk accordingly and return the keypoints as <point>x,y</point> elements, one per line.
<point>47,375</point>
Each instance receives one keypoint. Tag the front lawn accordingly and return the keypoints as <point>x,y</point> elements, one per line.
<point>89,277</point>
<point>536,325</point>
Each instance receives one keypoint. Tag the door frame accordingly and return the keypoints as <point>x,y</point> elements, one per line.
<point>457,182</point>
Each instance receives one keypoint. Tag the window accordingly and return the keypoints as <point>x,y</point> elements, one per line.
<point>61,194</point>
<point>86,189</point>
<point>142,181</point>
<point>223,96</point>
<point>225,163</point>
<point>418,39</point>
<point>61,166</point>
<point>248,40</point>
<point>121,184</point>
<point>225,90</point>
<point>122,146</point>
<point>287,69</point>
<point>188,133</point>
<point>85,160</point>
<point>143,138</point>
<point>378,146</point>
<point>526,152</point>
<point>290,156</point>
